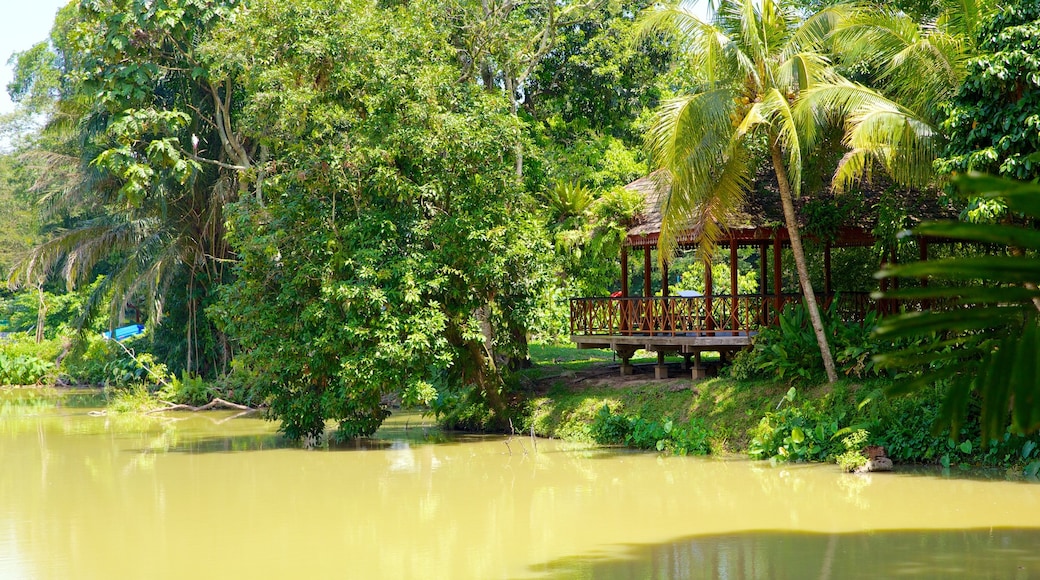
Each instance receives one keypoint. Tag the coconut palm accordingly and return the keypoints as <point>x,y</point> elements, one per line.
<point>752,59</point>
<point>139,158</point>
<point>915,68</point>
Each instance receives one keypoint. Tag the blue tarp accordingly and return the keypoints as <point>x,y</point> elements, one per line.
<point>124,331</point>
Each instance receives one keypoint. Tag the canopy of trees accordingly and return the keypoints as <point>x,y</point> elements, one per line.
<point>339,203</point>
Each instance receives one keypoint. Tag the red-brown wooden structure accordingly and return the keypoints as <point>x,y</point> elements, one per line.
<point>712,322</point>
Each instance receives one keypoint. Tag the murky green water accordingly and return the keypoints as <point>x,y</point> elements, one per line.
<point>208,496</point>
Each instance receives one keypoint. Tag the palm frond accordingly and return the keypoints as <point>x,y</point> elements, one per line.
<point>693,139</point>
<point>710,46</point>
<point>986,339</point>
<point>877,130</point>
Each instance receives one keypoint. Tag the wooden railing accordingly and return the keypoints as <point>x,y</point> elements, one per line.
<point>677,315</point>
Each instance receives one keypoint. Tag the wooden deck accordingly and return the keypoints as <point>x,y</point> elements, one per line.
<point>688,325</point>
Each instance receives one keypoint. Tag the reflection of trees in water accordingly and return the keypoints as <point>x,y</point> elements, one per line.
<point>998,553</point>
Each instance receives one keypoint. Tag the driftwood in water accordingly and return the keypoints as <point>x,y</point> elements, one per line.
<point>216,403</point>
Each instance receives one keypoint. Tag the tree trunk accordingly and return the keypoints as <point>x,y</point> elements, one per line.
<point>41,315</point>
<point>480,369</point>
<point>799,259</point>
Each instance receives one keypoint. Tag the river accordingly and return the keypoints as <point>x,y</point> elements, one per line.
<point>192,496</point>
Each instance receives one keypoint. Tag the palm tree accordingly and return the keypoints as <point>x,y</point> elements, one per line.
<point>917,66</point>
<point>121,161</point>
<point>753,59</point>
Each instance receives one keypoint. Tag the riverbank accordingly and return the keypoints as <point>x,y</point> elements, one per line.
<point>580,396</point>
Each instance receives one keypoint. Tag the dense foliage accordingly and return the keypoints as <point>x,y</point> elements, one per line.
<point>333,206</point>
<point>388,254</point>
<point>993,121</point>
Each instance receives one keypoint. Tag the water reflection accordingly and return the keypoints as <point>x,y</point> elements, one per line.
<point>208,495</point>
<point>987,553</point>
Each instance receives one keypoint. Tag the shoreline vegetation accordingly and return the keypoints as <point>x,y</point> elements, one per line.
<point>580,395</point>
<point>330,209</point>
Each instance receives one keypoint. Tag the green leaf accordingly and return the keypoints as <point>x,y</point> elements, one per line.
<point>1031,469</point>
<point>965,447</point>
<point>1028,448</point>
<point>797,435</point>
<point>1010,269</point>
<point>993,233</point>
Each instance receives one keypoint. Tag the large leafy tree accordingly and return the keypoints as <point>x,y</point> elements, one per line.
<point>993,121</point>
<point>141,152</point>
<point>387,254</point>
<point>752,60</point>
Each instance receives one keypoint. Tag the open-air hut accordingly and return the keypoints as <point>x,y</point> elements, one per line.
<point>639,318</point>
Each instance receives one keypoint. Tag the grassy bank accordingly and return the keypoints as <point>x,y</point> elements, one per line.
<point>580,395</point>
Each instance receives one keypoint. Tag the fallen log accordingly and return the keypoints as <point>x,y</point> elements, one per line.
<point>216,403</point>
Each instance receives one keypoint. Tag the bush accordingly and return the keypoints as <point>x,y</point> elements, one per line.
<point>805,433</point>
<point>100,361</point>
<point>789,352</point>
<point>23,370</point>
<point>853,457</point>
<point>189,389</point>
<point>617,429</point>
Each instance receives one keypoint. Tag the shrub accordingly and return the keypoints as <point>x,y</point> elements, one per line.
<point>189,389</point>
<point>22,369</point>
<point>799,433</point>
<point>789,351</point>
<point>617,429</point>
<point>853,458</point>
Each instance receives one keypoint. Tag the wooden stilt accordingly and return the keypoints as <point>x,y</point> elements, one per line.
<point>624,271</point>
<point>733,314</point>
<point>709,291</point>
<point>660,371</point>
<point>777,290</point>
<point>763,275</point>
<point>698,372</point>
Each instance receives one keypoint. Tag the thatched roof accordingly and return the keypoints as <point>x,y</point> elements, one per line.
<point>761,217</point>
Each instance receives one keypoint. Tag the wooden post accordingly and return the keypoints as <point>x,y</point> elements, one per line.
<point>660,371</point>
<point>648,304</point>
<point>763,274</point>
<point>709,289</point>
<point>777,290</point>
<point>734,318</point>
<point>624,271</point>
<point>647,291</point>
<point>763,266</point>
<point>623,305</point>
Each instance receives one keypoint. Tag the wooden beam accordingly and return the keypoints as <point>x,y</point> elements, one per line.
<point>647,291</point>
<point>734,319</point>
<point>777,289</point>
<point>624,271</point>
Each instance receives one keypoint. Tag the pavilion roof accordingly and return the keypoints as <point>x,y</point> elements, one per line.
<point>761,217</point>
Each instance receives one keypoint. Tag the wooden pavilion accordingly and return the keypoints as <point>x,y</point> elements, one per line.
<point>690,325</point>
